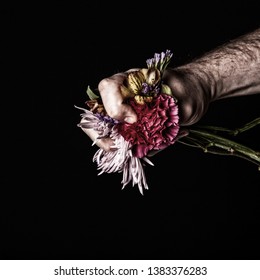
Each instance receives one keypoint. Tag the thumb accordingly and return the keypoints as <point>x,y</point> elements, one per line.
<point>128,113</point>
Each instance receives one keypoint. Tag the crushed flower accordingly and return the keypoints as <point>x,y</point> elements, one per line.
<point>156,128</point>
<point>157,124</point>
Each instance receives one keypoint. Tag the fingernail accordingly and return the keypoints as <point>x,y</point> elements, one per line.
<point>127,119</point>
<point>130,119</point>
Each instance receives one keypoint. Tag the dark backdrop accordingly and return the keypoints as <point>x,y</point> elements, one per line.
<point>54,205</point>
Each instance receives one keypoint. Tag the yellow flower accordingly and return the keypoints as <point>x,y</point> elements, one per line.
<point>153,77</point>
<point>139,99</point>
<point>134,81</point>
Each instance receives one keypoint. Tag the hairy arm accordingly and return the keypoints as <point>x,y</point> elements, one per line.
<point>230,70</point>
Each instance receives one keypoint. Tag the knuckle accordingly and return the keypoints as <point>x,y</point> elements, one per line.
<point>108,84</point>
<point>114,112</point>
<point>104,83</point>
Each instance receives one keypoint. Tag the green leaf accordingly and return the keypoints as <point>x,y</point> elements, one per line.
<point>91,93</point>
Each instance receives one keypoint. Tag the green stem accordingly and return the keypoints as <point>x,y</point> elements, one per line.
<point>247,126</point>
<point>216,144</point>
<point>234,132</point>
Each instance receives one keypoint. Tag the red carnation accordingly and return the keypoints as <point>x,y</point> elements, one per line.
<point>156,128</point>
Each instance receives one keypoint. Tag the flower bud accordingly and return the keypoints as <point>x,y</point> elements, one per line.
<point>153,76</point>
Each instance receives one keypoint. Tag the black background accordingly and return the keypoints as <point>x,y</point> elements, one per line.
<point>54,206</point>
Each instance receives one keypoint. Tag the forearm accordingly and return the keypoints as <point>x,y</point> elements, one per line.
<point>232,69</point>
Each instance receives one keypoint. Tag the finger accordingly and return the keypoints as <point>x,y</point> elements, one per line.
<point>113,100</point>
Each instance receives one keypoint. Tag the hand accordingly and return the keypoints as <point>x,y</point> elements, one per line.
<point>112,93</point>
<point>227,71</point>
<point>113,100</point>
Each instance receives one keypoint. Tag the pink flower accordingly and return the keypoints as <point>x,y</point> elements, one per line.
<point>156,128</point>
<point>120,158</point>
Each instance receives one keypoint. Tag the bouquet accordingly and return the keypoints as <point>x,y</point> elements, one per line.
<point>156,128</point>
